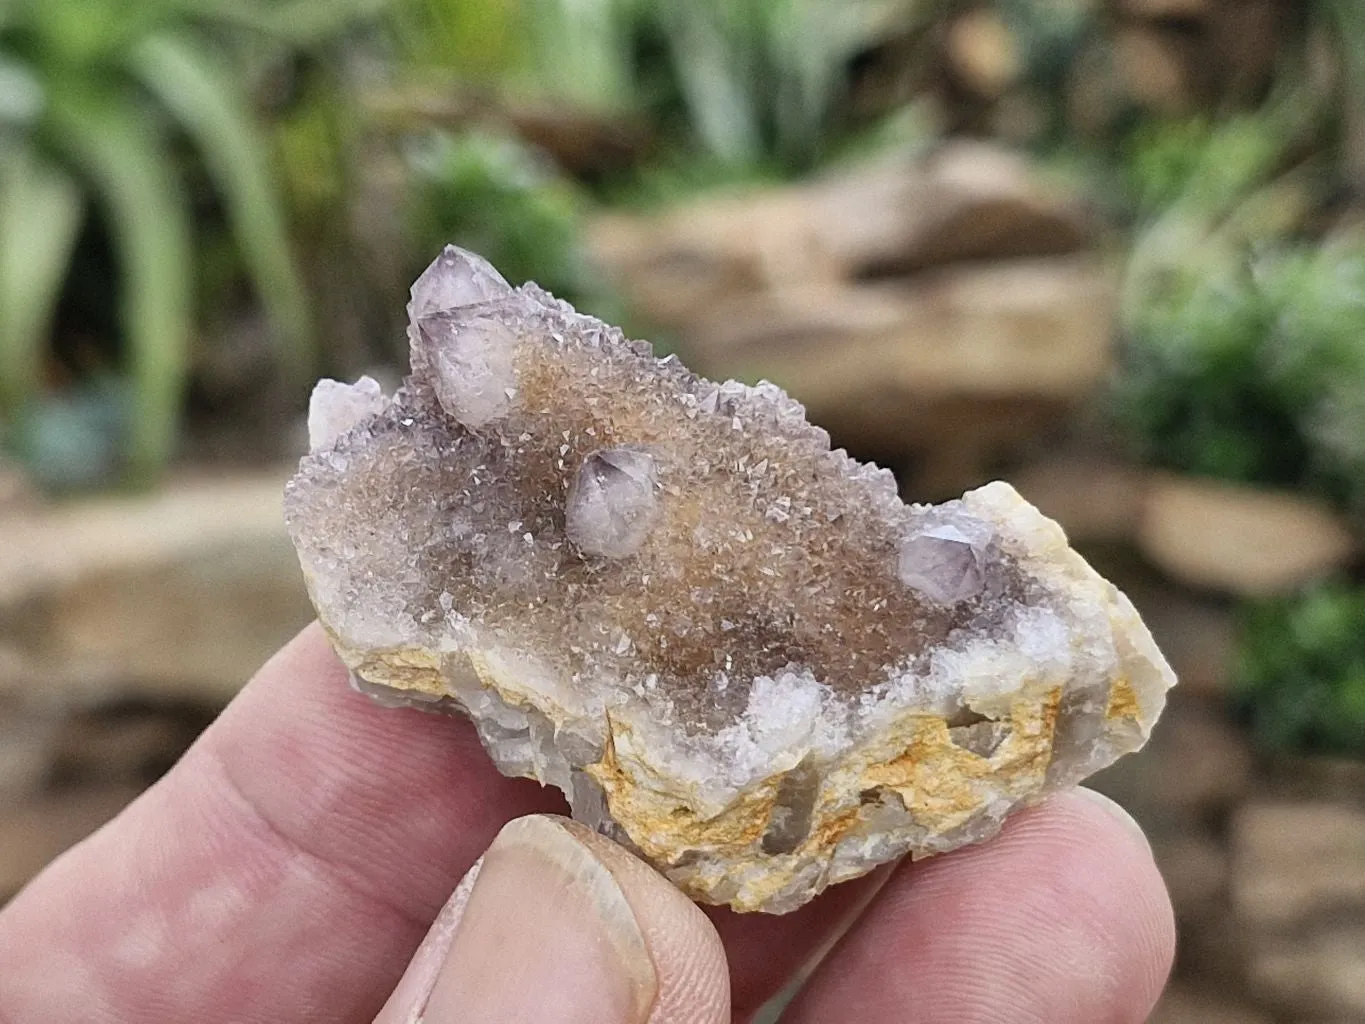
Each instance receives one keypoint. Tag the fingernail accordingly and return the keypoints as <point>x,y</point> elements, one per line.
<point>408,1000</point>
<point>547,935</point>
<point>1114,811</point>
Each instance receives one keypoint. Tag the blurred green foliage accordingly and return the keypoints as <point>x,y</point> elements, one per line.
<point>577,53</point>
<point>1301,674</point>
<point>72,437</point>
<point>101,101</point>
<point>494,195</point>
<point>477,39</point>
<point>1192,162</point>
<point>761,80</point>
<point>1051,35</point>
<point>745,85</point>
<point>1253,373</point>
<point>1243,320</point>
<point>1244,340</point>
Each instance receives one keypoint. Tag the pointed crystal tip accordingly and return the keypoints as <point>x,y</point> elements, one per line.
<point>942,563</point>
<point>612,502</point>
<point>455,278</point>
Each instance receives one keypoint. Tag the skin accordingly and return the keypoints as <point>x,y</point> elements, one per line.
<point>289,867</point>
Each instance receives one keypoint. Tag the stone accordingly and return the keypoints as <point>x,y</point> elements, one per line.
<point>1240,539</point>
<point>976,202</point>
<point>1294,861</point>
<point>1155,68</point>
<point>736,651</point>
<point>1094,501</point>
<point>1319,976</point>
<point>981,357</point>
<point>1316,778</point>
<point>1181,1005</point>
<point>474,378</point>
<point>965,202</point>
<point>28,742</point>
<point>455,278</point>
<point>984,53</point>
<point>118,745</point>
<point>17,491</point>
<point>943,563</point>
<point>1298,890</point>
<point>960,287</point>
<point>178,595</point>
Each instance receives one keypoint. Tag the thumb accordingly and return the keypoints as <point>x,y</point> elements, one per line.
<point>556,924</point>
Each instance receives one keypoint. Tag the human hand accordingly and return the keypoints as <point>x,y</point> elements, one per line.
<point>285,870</point>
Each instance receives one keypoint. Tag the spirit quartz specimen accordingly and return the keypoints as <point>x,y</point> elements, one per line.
<point>735,650</point>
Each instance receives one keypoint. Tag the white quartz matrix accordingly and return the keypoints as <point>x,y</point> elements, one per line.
<point>735,650</point>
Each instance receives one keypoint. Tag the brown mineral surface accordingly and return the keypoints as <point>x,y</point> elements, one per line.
<point>735,650</point>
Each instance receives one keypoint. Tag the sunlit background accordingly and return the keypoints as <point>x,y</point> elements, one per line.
<point>1112,250</point>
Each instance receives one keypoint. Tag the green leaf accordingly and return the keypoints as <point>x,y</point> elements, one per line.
<point>582,52</point>
<point>207,102</point>
<point>1300,673</point>
<point>715,57</point>
<point>298,21</point>
<point>127,160</point>
<point>810,45</point>
<point>1350,26</point>
<point>481,40</point>
<point>21,93</point>
<point>40,213</point>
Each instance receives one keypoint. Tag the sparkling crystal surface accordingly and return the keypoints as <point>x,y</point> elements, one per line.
<point>735,650</point>
<point>472,362</point>
<point>612,502</point>
<point>943,563</point>
<point>455,278</point>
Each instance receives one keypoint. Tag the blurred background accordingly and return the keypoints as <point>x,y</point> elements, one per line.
<point>1113,250</point>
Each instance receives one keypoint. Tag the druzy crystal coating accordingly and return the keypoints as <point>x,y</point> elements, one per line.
<point>736,651</point>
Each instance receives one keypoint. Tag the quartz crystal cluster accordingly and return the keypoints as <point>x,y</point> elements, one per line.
<point>735,650</point>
